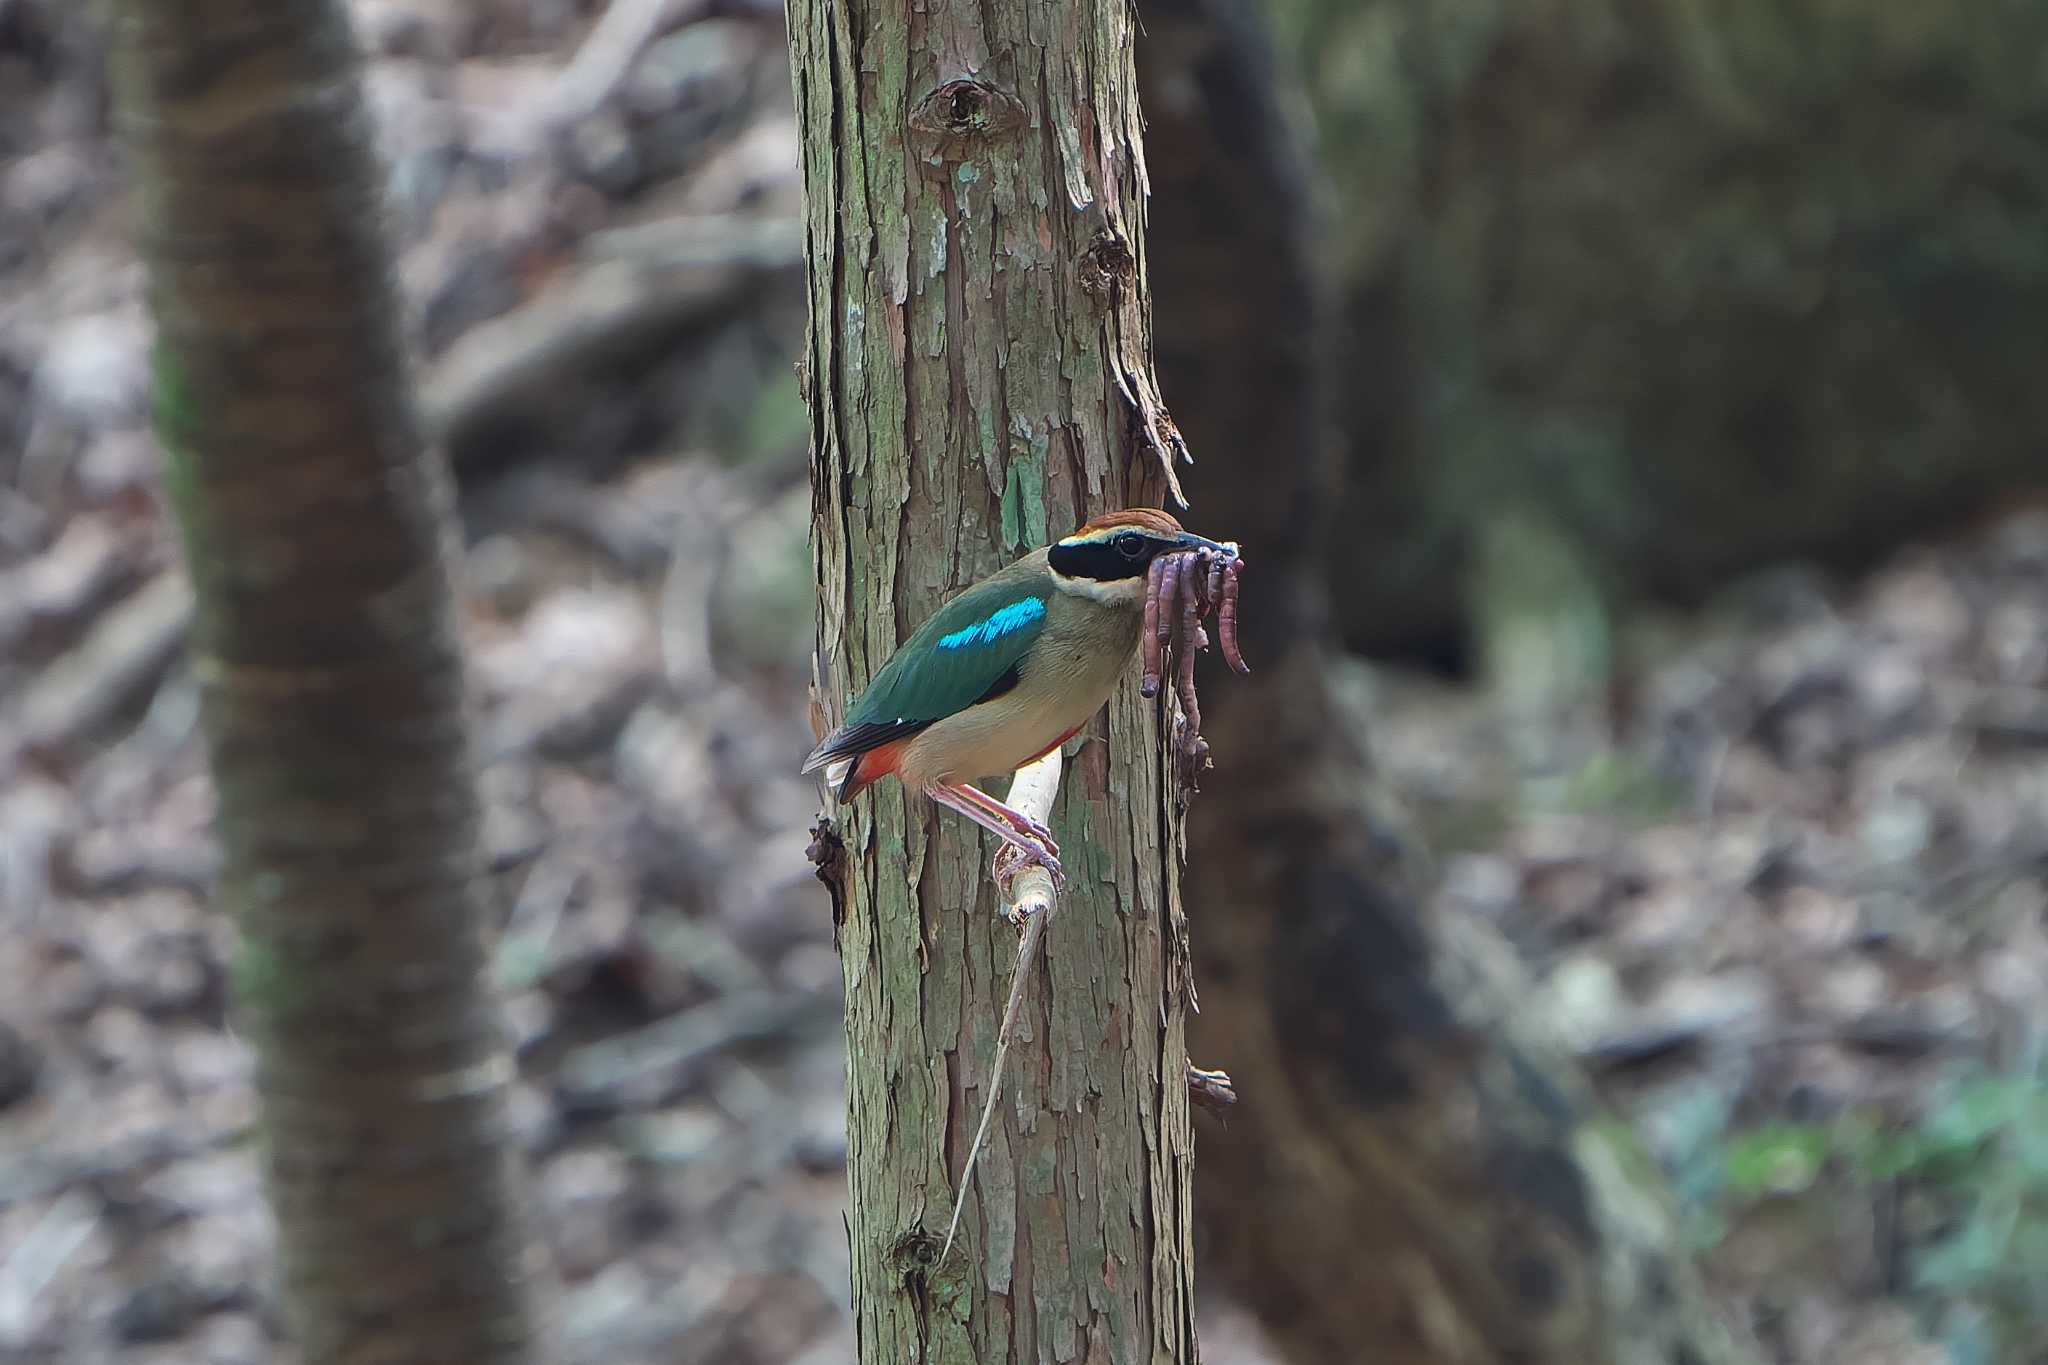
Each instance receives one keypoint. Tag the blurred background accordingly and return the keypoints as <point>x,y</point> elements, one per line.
<point>1687,398</point>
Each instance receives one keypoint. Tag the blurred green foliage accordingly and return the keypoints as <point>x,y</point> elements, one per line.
<point>1621,786</point>
<point>1715,282</point>
<point>1980,1156</point>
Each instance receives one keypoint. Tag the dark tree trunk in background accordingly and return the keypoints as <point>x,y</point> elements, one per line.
<point>1405,1181</point>
<point>315,524</point>
<point>975,211</point>
<point>1709,287</point>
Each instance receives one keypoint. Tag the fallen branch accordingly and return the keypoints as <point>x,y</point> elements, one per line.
<point>68,580</point>
<point>647,286</point>
<point>670,1048</point>
<point>40,1173</point>
<point>51,1241</point>
<point>609,50</point>
<point>128,650</point>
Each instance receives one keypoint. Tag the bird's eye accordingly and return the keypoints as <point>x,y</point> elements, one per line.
<point>1130,545</point>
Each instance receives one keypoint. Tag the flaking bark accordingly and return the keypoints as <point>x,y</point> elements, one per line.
<point>323,643</point>
<point>979,374</point>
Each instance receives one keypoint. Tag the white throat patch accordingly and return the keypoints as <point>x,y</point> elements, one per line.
<point>1116,592</point>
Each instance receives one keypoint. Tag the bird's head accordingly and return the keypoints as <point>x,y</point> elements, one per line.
<point>1107,559</point>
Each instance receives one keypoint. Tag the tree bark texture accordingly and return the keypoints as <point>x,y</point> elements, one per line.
<point>978,369</point>
<point>315,533</point>
<point>1406,1179</point>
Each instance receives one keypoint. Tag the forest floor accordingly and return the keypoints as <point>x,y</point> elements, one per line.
<point>1784,892</point>
<point>1789,908</point>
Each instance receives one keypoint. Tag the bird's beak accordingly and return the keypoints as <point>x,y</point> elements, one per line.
<point>1190,541</point>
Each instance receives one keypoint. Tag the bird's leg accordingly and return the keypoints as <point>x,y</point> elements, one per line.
<point>1033,841</point>
<point>1017,820</point>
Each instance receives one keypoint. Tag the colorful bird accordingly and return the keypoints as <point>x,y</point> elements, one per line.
<point>1006,672</point>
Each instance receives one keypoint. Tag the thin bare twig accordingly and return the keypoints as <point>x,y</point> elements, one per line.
<point>1032,900</point>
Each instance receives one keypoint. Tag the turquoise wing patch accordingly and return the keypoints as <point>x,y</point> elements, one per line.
<point>1003,621</point>
<point>969,649</point>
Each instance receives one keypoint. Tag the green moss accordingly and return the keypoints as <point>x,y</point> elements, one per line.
<point>1024,525</point>
<point>172,404</point>
<point>176,416</point>
<point>776,421</point>
<point>1465,826</point>
<point>261,979</point>
<point>1619,785</point>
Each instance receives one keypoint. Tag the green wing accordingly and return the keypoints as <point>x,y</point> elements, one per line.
<point>968,651</point>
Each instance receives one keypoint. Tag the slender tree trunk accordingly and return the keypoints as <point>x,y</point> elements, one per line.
<point>1407,1180</point>
<point>979,376</point>
<point>315,533</point>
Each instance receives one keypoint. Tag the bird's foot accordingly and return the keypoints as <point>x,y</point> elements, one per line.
<point>1026,842</point>
<point>1043,835</point>
<point>1035,849</point>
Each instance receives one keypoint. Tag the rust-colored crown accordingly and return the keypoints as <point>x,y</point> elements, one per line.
<point>1144,518</point>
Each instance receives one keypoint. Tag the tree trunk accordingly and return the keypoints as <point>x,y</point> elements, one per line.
<point>1711,287</point>
<point>1406,1181</point>
<point>315,534</point>
<point>979,374</point>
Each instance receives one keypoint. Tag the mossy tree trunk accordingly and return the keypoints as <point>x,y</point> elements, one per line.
<point>315,533</point>
<point>978,369</point>
<point>1408,1180</point>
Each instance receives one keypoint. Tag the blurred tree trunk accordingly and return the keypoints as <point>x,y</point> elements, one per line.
<point>1710,286</point>
<point>1407,1180</point>
<point>314,524</point>
<point>978,343</point>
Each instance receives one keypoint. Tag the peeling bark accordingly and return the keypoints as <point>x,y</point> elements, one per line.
<point>315,535</point>
<point>978,369</point>
<point>1406,1180</point>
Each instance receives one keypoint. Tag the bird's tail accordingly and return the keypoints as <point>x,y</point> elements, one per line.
<point>837,763</point>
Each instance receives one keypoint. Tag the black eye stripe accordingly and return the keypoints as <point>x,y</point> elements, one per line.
<point>1102,561</point>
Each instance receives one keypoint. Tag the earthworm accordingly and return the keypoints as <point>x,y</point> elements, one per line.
<point>1181,591</point>
<point>1155,576</point>
<point>1169,594</point>
<point>1226,615</point>
<point>1194,749</point>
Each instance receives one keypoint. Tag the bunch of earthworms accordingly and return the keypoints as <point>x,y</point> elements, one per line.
<point>1181,590</point>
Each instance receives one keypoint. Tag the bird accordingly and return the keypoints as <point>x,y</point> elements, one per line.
<point>1005,672</point>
